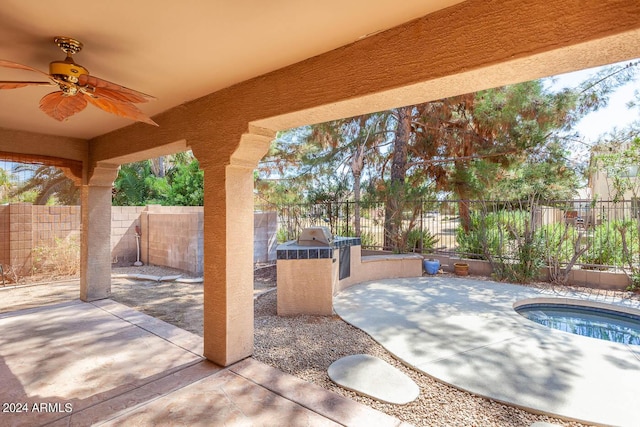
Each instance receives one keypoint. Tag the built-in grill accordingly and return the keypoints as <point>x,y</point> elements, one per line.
<point>307,267</point>
<point>317,242</point>
<point>315,236</point>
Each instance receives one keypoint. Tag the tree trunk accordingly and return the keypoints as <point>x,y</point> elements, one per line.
<point>157,167</point>
<point>460,187</point>
<point>465,213</point>
<point>356,210</point>
<point>395,195</point>
<point>357,164</point>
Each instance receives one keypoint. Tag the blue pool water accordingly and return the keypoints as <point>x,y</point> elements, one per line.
<point>591,322</point>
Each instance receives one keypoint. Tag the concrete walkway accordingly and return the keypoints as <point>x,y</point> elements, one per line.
<point>102,363</point>
<point>466,333</point>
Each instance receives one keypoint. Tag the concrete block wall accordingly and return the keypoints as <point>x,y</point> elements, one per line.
<point>5,235</point>
<point>24,227</point>
<point>124,220</point>
<point>54,222</point>
<point>20,237</point>
<point>265,242</point>
<point>175,240</point>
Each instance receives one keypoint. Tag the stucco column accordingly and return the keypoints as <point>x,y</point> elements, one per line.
<point>228,248</point>
<point>95,254</point>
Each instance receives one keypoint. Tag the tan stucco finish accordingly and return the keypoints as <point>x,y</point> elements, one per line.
<point>470,46</point>
<point>374,267</point>
<point>305,286</point>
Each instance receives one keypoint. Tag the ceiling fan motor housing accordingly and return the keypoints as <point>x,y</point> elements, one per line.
<point>67,71</point>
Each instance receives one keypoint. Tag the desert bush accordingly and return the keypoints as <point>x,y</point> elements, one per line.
<point>522,253</point>
<point>368,239</point>
<point>483,237</point>
<point>61,259</point>
<point>559,240</point>
<point>563,247</point>
<point>523,266</point>
<point>606,245</point>
<point>282,235</point>
<point>508,239</point>
<point>417,239</point>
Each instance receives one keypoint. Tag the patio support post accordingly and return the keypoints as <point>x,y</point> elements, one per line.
<point>228,248</point>
<point>95,254</point>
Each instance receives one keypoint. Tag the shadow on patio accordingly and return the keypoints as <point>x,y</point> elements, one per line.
<point>106,364</point>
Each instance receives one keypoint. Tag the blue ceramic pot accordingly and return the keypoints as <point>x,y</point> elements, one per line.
<point>431,266</point>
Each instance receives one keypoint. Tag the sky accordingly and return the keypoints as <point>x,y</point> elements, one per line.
<point>616,115</point>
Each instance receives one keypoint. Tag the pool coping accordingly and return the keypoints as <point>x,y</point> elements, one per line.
<point>577,302</point>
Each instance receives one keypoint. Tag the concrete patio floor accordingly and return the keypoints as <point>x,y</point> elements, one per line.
<point>102,363</point>
<point>466,333</point>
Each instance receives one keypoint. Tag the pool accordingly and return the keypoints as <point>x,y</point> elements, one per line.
<point>605,323</point>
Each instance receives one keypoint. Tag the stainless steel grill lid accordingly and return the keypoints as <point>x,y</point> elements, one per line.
<point>315,236</point>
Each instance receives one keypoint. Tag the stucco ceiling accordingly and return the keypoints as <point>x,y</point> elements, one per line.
<point>176,51</point>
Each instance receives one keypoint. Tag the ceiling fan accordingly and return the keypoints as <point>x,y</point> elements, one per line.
<point>78,87</point>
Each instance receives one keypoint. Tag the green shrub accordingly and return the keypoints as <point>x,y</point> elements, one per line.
<point>629,232</point>
<point>606,243</point>
<point>416,236</point>
<point>483,237</point>
<point>635,282</point>
<point>559,240</point>
<point>368,239</point>
<point>507,239</point>
<point>282,235</point>
<point>527,261</point>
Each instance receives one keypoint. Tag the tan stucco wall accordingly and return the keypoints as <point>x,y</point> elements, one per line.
<point>305,286</point>
<point>386,266</point>
<point>20,142</point>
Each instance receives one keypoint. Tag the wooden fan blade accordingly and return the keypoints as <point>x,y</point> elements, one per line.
<point>60,107</point>
<point>15,85</point>
<point>113,95</point>
<point>112,91</point>
<point>122,109</point>
<point>15,65</point>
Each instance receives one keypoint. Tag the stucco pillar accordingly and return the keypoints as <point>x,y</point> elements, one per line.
<point>228,248</point>
<point>95,254</point>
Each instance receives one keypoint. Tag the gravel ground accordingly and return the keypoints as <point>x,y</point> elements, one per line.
<point>303,346</point>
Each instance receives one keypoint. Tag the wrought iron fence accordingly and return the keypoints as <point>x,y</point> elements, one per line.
<point>606,232</point>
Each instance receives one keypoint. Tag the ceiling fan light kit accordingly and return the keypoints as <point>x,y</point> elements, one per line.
<point>78,87</point>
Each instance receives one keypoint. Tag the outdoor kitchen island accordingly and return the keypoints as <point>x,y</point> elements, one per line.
<point>312,269</point>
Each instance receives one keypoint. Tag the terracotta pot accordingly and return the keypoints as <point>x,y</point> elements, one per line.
<point>461,268</point>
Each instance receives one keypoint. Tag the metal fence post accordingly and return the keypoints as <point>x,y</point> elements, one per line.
<point>421,225</point>
<point>348,220</point>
